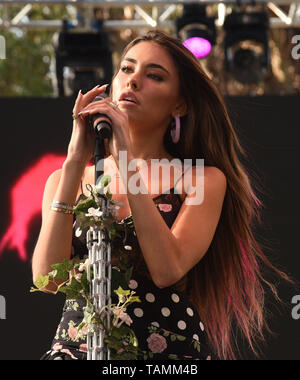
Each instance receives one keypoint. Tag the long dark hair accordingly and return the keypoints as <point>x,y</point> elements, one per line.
<point>228,284</point>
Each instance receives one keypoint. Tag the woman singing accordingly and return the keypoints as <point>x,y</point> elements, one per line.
<point>196,266</point>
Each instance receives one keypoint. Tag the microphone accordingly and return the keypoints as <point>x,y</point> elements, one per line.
<point>99,122</point>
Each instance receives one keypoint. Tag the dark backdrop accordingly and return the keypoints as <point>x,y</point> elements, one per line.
<point>268,128</point>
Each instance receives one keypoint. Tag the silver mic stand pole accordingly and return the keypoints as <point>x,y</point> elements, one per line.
<point>99,268</point>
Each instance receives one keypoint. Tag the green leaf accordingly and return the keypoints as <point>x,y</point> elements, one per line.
<point>72,290</point>
<point>62,269</point>
<point>197,345</point>
<point>181,338</point>
<point>118,279</point>
<point>84,205</point>
<point>104,181</point>
<point>42,281</point>
<point>84,282</point>
<point>121,293</point>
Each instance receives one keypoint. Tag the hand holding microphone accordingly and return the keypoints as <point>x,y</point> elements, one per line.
<point>100,122</point>
<point>99,116</point>
<point>82,142</point>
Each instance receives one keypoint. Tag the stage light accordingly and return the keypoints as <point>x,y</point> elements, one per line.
<point>82,60</point>
<point>246,46</point>
<point>196,30</point>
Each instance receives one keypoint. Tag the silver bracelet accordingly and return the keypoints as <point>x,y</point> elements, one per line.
<point>64,211</point>
<point>61,205</point>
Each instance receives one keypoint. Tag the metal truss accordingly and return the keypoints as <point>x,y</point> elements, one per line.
<point>158,16</point>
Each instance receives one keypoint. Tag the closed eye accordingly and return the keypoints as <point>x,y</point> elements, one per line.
<point>154,76</point>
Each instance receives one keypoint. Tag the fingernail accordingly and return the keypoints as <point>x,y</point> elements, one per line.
<point>83,112</point>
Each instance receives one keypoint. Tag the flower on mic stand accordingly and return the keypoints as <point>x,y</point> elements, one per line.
<point>95,213</point>
<point>89,212</point>
<point>71,278</point>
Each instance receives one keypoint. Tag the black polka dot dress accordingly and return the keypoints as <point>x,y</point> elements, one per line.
<point>165,322</point>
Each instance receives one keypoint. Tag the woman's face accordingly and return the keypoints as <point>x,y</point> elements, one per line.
<point>149,73</point>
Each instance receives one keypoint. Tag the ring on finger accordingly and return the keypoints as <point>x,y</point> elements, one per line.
<point>75,116</point>
<point>113,105</point>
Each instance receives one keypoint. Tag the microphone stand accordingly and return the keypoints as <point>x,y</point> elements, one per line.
<point>99,268</point>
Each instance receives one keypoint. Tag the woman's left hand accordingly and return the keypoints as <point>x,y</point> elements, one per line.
<point>119,121</point>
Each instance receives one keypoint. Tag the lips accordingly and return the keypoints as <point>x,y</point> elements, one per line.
<point>129,95</point>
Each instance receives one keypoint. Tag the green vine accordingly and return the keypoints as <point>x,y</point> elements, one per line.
<point>70,277</point>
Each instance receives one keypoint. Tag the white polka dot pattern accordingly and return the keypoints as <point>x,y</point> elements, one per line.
<point>181,325</point>
<point>190,312</point>
<point>78,232</point>
<point>175,298</point>
<point>150,297</point>
<point>165,312</point>
<point>133,284</point>
<point>138,312</point>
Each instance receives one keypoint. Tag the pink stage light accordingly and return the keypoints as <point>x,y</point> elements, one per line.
<point>26,202</point>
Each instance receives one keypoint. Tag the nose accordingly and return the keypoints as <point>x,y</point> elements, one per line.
<point>133,82</point>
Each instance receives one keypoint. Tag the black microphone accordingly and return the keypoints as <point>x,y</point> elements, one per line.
<point>102,127</point>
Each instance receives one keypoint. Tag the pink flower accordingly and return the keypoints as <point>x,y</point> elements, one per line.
<point>72,332</point>
<point>157,343</point>
<point>83,347</point>
<point>85,329</point>
<point>57,347</point>
<point>165,207</point>
<point>120,317</point>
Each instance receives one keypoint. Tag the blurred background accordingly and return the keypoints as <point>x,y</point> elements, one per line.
<point>51,49</point>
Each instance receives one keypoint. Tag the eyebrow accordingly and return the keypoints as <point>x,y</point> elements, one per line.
<point>154,65</point>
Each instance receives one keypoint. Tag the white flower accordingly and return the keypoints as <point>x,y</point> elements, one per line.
<point>84,265</point>
<point>120,314</point>
<point>95,212</point>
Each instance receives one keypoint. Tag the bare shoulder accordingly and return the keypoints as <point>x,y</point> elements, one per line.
<point>209,178</point>
<point>215,180</point>
<point>211,173</point>
<point>215,174</point>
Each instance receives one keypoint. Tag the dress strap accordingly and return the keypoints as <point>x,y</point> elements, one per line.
<point>179,179</point>
<point>81,186</point>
